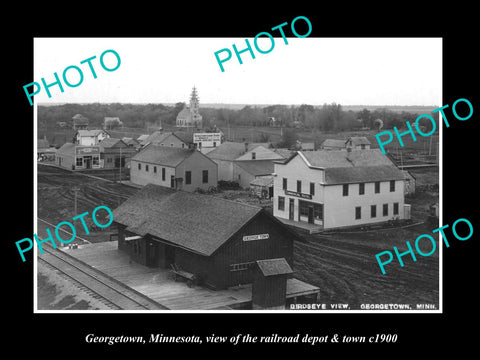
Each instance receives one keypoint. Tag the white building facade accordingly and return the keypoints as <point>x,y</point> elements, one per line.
<point>336,194</point>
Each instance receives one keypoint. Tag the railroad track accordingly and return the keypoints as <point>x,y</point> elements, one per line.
<point>112,293</point>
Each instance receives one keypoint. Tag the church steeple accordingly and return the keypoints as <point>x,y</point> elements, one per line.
<point>190,116</point>
<point>194,101</point>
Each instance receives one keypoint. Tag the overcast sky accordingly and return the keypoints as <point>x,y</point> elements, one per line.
<point>348,71</point>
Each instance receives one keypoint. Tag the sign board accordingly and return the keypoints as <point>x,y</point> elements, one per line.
<point>297,194</point>
<point>256,237</point>
<point>87,149</point>
<point>207,139</point>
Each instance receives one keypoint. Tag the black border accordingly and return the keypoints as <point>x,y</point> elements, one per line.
<point>61,333</point>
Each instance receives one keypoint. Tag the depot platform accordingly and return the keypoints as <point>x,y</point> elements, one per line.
<point>157,284</point>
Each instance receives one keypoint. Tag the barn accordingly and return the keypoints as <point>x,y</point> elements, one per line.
<point>217,240</point>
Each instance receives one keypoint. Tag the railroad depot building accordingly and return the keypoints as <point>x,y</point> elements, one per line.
<point>338,188</point>
<point>216,239</point>
<point>177,168</point>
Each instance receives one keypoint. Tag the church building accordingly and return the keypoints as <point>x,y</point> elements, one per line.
<point>190,117</point>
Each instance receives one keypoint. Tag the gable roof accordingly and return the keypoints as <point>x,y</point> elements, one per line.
<point>262,181</point>
<point>79,119</point>
<point>156,136</point>
<point>256,167</point>
<point>284,153</point>
<point>342,167</point>
<point>130,141</point>
<point>230,150</point>
<point>342,158</point>
<point>160,136</point>
<point>66,149</point>
<point>227,151</point>
<point>334,143</point>
<point>270,267</point>
<point>359,140</point>
<point>307,145</point>
<point>200,223</point>
<point>362,174</point>
<point>112,142</point>
<point>93,132</point>
<point>261,153</point>
<point>163,155</point>
<point>186,137</point>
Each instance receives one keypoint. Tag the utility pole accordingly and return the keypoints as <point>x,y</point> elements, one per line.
<point>75,190</point>
<point>120,165</point>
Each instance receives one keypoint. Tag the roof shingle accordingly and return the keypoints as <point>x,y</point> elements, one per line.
<point>162,155</point>
<point>270,267</point>
<point>200,223</point>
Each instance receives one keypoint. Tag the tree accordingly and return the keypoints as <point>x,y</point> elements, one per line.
<point>289,139</point>
<point>366,116</point>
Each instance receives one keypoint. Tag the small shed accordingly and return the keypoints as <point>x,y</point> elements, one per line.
<point>269,287</point>
<point>333,144</point>
<point>262,187</point>
<point>409,183</point>
<point>79,122</point>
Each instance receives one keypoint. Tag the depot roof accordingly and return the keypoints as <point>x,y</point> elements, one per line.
<point>197,222</point>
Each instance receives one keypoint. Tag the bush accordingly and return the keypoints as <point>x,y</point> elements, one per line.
<point>228,185</point>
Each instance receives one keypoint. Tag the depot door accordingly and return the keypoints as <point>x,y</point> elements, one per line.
<point>152,256</point>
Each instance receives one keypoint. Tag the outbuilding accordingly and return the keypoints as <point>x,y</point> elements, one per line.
<point>115,153</point>
<point>217,240</point>
<point>244,172</point>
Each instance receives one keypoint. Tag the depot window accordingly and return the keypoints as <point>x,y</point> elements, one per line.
<point>281,203</point>
<point>241,266</point>
<point>79,161</point>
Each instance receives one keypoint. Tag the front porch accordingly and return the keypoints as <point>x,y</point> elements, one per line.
<point>311,228</point>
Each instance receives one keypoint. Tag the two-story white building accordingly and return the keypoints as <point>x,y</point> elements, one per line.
<point>338,188</point>
<point>90,137</point>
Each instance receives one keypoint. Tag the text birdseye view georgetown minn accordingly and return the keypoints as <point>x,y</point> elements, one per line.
<point>192,206</point>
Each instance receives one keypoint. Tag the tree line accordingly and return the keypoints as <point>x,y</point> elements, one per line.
<point>328,117</point>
